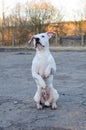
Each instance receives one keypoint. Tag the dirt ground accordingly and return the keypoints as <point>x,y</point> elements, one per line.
<point>17,88</point>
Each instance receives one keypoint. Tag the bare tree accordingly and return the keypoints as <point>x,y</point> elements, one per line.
<point>41,15</point>
<point>19,25</point>
<point>30,18</point>
<point>79,25</point>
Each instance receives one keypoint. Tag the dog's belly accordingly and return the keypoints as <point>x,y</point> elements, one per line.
<point>41,66</point>
<point>41,69</point>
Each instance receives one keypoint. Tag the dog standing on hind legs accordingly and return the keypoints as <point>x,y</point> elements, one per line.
<point>43,69</point>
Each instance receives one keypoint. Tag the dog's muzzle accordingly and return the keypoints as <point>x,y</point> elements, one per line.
<point>38,42</point>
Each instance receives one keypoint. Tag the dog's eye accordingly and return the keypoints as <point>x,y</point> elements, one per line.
<point>42,35</point>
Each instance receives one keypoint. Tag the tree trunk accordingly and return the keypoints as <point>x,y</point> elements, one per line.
<point>82,39</point>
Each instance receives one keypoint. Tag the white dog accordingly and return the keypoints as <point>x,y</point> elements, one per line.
<point>43,69</point>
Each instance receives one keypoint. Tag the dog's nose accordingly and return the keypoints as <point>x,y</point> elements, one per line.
<point>37,39</point>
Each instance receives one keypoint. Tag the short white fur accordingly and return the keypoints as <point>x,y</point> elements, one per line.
<point>43,69</point>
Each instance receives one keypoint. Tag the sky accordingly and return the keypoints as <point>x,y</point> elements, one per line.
<point>70,8</point>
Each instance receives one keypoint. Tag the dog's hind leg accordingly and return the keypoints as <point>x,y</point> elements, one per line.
<point>55,97</point>
<point>53,92</point>
<point>37,99</point>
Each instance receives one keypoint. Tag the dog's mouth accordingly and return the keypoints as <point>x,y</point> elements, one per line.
<point>37,44</point>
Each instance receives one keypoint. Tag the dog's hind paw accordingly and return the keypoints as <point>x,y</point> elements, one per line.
<point>39,107</point>
<point>54,106</point>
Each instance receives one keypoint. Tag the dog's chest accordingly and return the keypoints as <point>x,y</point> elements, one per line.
<point>42,63</point>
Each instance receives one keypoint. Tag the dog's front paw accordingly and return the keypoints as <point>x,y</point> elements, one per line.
<point>43,87</point>
<point>54,106</point>
<point>39,107</point>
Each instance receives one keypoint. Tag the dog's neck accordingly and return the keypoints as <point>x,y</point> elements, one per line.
<point>42,50</point>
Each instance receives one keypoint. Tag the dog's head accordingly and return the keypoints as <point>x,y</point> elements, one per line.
<point>41,40</point>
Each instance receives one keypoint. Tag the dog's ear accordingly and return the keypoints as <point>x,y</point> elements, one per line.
<point>50,34</point>
<point>31,40</point>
